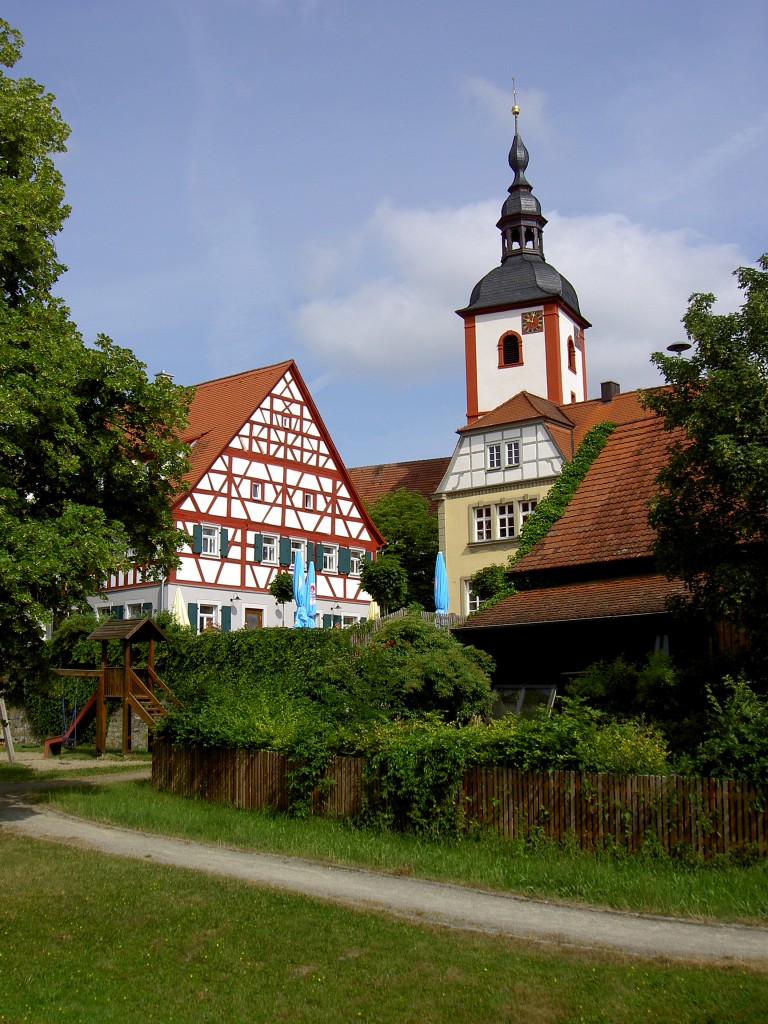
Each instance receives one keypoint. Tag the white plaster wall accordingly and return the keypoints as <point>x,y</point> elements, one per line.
<point>495,385</point>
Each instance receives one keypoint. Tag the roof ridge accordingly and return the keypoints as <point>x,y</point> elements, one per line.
<point>244,373</point>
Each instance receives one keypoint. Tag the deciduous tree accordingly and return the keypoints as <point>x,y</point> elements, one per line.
<point>90,456</point>
<point>410,529</point>
<point>711,511</point>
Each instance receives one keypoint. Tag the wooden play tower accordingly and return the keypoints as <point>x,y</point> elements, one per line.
<point>133,687</point>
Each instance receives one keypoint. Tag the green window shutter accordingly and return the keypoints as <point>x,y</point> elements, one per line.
<point>310,551</point>
<point>319,553</point>
<point>364,619</point>
<point>192,613</point>
<point>367,556</point>
<point>226,619</point>
<point>327,622</point>
<point>224,543</point>
<point>197,540</point>
<point>117,611</point>
<point>258,547</point>
<point>285,551</point>
<point>146,609</point>
<point>344,560</point>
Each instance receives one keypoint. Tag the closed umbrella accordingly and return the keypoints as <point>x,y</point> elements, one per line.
<point>441,585</point>
<point>310,594</point>
<point>299,587</point>
<point>179,612</point>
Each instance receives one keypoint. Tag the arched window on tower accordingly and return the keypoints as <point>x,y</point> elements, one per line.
<point>530,238</point>
<point>510,349</point>
<point>571,355</point>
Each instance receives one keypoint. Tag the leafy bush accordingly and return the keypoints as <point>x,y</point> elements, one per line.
<point>735,745</point>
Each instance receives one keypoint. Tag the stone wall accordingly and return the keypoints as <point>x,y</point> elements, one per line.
<point>24,735</point>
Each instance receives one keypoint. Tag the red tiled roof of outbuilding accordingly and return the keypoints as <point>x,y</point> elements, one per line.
<point>599,599</point>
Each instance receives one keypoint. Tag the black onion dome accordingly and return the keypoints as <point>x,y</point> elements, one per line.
<point>526,278</point>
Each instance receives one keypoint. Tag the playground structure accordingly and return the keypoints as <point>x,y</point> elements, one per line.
<point>133,686</point>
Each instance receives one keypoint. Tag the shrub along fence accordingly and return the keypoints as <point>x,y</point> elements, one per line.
<point>675,814</point>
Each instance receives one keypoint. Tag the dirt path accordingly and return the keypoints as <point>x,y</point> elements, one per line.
<point>415,899</point>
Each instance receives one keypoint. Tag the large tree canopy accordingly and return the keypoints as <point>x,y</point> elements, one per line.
<point>90,456</point>
<point>410,529</point>
<point>711,513</point>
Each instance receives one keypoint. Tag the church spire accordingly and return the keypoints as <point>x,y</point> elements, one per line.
<point>521,223</point>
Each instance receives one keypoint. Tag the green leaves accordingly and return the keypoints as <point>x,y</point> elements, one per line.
<point>411,532</point>
<point>90,457</point>
<point>711,511</point>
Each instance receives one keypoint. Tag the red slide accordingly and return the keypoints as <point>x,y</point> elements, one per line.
<point>54,744</point>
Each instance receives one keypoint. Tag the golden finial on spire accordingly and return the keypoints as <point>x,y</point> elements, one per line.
<point>515,108</point>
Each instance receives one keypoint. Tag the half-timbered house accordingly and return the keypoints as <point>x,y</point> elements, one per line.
<point>266,482</point>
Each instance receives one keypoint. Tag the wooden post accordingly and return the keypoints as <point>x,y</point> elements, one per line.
<point>7,732</point>
<point>101,703</point>
<point>126,739</point>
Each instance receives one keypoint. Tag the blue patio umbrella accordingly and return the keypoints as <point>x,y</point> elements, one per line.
<point>441,585</point>
<point>310,595</point>
<point>299,589</point>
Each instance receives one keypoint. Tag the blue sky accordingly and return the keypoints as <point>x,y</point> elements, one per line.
<point>257,180</point>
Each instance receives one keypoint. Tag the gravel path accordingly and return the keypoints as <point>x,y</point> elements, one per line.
<point>418,900</point>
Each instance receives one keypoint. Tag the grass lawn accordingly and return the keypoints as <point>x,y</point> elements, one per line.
<point>662,885</point>
<point>87,937</point>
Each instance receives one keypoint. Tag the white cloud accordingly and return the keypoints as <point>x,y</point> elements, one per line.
<point>389,291</point>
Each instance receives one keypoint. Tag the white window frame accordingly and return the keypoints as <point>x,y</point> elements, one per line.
<point>493,455</point>
<point>330,558</point>
<point>270,548</point>
<point>471,601</point>
<point>513,453</point>
<point>136,612</point>
<point>286,420</point>
<point>356,558</point>
<point>483,523</point>
<point>505,521</point>
<point>207,620</point>
<point>298,545</point>
<point>209,541</point>
<point>524,513</point>
<point>256,490</point>
<point>309,502</point>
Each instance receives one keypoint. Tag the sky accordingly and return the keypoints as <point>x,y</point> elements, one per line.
<point>319,180</point>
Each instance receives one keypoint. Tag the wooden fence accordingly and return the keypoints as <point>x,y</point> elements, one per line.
<point>704,816</point>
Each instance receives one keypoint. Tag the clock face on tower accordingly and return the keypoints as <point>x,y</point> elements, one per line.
<point>533,322</point>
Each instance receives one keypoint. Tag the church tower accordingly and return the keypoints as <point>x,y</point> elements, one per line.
<point>523,330</point>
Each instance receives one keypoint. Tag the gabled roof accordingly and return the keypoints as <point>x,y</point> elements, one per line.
<point>607,518</point>
<point>578,417</point>
<point>421,475</point>
<point>600,599</point>
<point>521,408</point>
<point>221,407</point>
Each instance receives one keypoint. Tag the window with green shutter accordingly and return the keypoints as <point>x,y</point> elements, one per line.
<point>224,543</point>
<point>226,619</point>
<point>258,547</point>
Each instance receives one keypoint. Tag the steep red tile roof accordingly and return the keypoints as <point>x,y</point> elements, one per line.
<point>422,475</point>
<point>607,518</point>
<point>601,599</point>
<point>567,423</point>
<point>521,407</point>
<point>221,407</point>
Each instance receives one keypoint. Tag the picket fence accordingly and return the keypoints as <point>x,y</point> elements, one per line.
<point>706,817</point>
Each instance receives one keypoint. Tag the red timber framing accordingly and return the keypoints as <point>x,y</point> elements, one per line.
<point>266,479</point>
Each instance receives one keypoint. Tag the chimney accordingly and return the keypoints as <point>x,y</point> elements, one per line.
<point>608,390</point>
